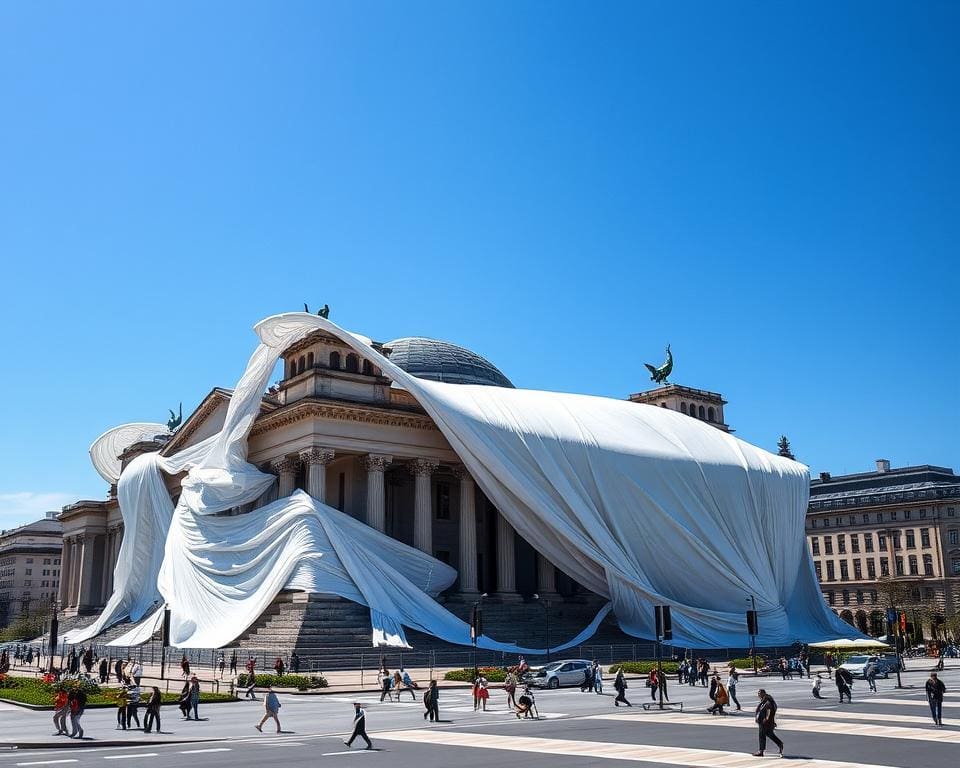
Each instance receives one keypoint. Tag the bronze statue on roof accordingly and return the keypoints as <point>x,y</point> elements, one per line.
<point>659,375</point>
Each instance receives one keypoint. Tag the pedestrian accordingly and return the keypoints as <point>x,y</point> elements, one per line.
<point>251,665</point>
<point>844,682</point>
<point>294,663</point>
<point>431,703</point>
<point>405,682</point>
<point>278,667</point>
<point>480,693</point>
<point>653,683</point>
<point>720,696</point>
<point>385,681</point>
<point>251,683</point>
<point>233,663</point>
<point>122,709</point>
<point>271,709</point>
<point>733,677</point>
<point>598,680</point>
<point>221,663</point>
<point>620,686</point>
<point>88,660</point>
<point>525,703</point>
<point>60,710</point>
<point>815,688</point>
<point>152,715</point>
<point>78,704</point>
<point>133,701</point>
<point>135,671</point>
<point>828,660</point>
<point>103,671</point>
<point>510,688</point>
<point>935,690</point>
<point>587,684</point>
<point>118,671</point>
<point>183,700</point>
<point>195,696</point>
<point>766,721</point>
<point>185,666</point>
<point>359,726</point>
<point>704,672</point>
<point>870,674</point>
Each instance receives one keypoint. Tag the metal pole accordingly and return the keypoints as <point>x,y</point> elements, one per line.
<point>753,637</point>
<point>659,672</point>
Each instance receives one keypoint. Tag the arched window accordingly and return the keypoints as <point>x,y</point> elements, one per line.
<point>710,413</point>
<point>301,364</point>
<point>309,359</point>
<point>291,368</point>
<point>335,360</point>
<point>700,412</point>
<point>367,368</point>
<point>353,363</point>
<point>683,407</point>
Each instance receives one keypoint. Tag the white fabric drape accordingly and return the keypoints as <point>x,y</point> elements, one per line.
<point>640,504</point>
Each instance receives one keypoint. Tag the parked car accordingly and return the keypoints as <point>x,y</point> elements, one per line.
<point>857,665</point>
<point>558,673</point>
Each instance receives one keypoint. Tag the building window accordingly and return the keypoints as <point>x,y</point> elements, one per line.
<point>899,564</point>
<point>29,571</point>
<point>367,368</point>
<point>866,518</point>
<point>953,536</point>
<point>335,360</point>
<point>906,515</point>
<point>884,566</point>
<point>924,537</point>
<point>871,569</point>
<point>309,359</point>
<point>912,561</point>
<point>710,414</point>
<point>815,545</point>
<point>857,570</point>
<point>443,501</point>
<point>928,593</point>
<point>873,596</point>
<point>951,512</point>
<point>923,513</point>
<point>831,573</point>
<point>46,561</point>
<point>868,542</point>
<point>859,597</point>
<point>879,517</point>
<point>826,522</point>
<point>911,540</point>
<point>881,542</point>
<point>683,407</point>
<point>896,540</point>
<point>828,544</point>
<point>893,514</point>
<point>816,567</point>
<point>854,543</point>
<point>846,597</point>
<point>928,565</point>
<point>955,566</point>
<point>842,544</point>
<point>830,594</point>
<point>844,571</point>
<point>353,363</point>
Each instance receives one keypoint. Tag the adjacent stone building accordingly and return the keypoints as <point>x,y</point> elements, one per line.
<point>29,567</point>
<point>888,538</point>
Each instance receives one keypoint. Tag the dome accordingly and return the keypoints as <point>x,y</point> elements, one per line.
<point>441,361</point>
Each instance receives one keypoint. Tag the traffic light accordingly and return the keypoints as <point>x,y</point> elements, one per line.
<point>752,627</point>
<point>664,625</point>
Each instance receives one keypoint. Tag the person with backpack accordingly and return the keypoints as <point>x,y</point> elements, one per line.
<point>271,709</point>
<point>620,686</point>
<point>431,703</point>
<point>766,721</point>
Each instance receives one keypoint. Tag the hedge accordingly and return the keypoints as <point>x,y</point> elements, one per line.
<point>31,690</point>
<point>746,663</point>
<point>300,682</point>
<point>493,674</point>
<point>643,667</point>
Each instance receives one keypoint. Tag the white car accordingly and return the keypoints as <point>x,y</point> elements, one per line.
<point>857,666</point>
<point>558,673</point>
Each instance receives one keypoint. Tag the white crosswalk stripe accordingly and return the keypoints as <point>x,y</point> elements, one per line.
<point>643,753</point>
<point>787,724</point>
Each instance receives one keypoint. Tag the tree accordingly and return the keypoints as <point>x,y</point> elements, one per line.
<point>784,448</point>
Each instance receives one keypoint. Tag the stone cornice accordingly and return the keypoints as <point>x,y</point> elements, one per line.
<point>326,409</point>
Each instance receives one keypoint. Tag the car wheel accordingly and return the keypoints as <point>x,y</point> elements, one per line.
<point>554,682</point>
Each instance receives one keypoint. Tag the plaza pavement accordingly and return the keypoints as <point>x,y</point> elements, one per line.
<point>891,728</point>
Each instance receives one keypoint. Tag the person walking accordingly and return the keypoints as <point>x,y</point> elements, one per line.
<point>271,709</point>
<point>844,682</point>
<point>103,671</point>
<point>294,662</point>
<point>78,705</point>
<point>870,675</point>
<point>183,700</point>
<point>815,686</point>
<point>133,701</point>
<point>766,721</point>
<point>185,666</point>
<point>359,726</point>
<point>135,671</point>
<point>481,694</point>
<point>733,677</point>
<point>935,690</point>
<point>118,671</point>
<point>233,663</point>
<point>598,680</point>
<point>828,660</point>
<point>152,714</point>
<point>278,667</point>
<point>653,683</point>
<point>122,701</point>
<point>385,681</point>
<point>587,684</point>
<point>431,701</point>
<point>221,664</point>
<point>620,685</point>
<point>60,710</point>
<point>720,697</point>
<point>510,688</point>
<point>195,696</point>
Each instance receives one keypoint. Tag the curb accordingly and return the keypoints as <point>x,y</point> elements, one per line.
<point>88,743</point>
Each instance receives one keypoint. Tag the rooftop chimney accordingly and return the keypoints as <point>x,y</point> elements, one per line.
<point>824,477</point>
<point>883,465</point>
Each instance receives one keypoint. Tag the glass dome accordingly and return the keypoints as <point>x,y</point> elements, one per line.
<point>441,361</point>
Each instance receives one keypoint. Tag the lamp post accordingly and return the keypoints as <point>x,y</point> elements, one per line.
<point>546,620</point>
<point>476,629</point>
<point>54,630</point>
<point>752,629</point>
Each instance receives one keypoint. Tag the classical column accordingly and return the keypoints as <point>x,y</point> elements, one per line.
<point>85,596</point>
<point>286,470</point>
<point>63,595</point>
<point>108,569</point>
<point>506,560</point>
<point>375,464</point>
<point>74,596</point>
<point>546,579</point>
<point>468,532</point>
<point>423,504</point>
<point>316,460</point>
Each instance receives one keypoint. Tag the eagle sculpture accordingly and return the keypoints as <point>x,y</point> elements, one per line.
<point>659,375</point>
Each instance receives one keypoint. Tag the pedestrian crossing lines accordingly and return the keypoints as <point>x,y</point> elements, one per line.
<point>788,724</point>
<point>642,753</point>
<point>852,715</point>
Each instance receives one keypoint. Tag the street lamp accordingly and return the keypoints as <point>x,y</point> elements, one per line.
<point>54,630</point>
<point>752,628</point>
<point>476,629</point>
<point>546,620</point>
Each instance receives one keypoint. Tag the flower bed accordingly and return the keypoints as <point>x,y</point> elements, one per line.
<point>300,682</point>
<point>34,691</point>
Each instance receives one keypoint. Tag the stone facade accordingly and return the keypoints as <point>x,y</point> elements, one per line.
<point>892,535</point>
<point>696,403</point>
<point>29,568</point>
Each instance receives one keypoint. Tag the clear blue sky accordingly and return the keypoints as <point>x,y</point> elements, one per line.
<point>564,187</point>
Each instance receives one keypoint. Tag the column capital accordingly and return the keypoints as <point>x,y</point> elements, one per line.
<point>317,455</point>
<point>461,473</point>
<point>376,462</point>
<point>424,467</point>
<point>283,464</point>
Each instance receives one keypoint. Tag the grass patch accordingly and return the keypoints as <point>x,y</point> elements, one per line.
<point>35,691</point>
<point>300,682</point>
<point>643,667</point>
<point>493,674</point>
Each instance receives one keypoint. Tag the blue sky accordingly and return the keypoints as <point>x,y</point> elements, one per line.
<point>564,187</point>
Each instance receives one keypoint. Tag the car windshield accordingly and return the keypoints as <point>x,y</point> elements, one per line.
<point>858,660</point>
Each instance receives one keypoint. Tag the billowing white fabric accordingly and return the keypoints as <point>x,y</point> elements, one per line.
<point>640,504</point>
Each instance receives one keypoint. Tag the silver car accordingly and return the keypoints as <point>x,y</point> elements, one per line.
<point>558,673</point>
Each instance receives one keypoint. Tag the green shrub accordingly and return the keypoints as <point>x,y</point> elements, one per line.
<point>300,682</point>
<point>30,690</point>
<point>493,674</point>
<point>643,667</point>
<point>746,663</point>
